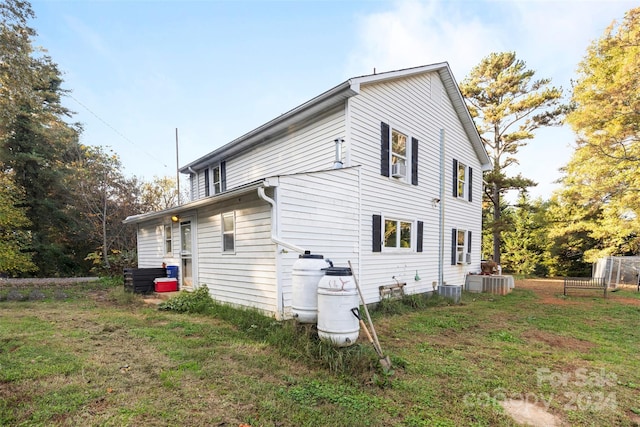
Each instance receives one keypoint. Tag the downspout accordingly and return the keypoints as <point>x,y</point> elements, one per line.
<point>275,238</point>
<point>441,214</point>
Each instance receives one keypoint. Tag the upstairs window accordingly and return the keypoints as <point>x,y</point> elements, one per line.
<point>399,154</point>
<point>229,232</point>
<point>462,173</point>
<point>217,183</point>
<point>462,181</point>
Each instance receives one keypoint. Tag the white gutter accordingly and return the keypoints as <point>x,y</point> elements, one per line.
<point>275,238</point>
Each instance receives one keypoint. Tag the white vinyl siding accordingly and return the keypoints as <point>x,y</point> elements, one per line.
<point>193,186</point>
<point>319,212</point>
<point>331,212</point>
<point>302,149</point>
<point>406,104</point>
<point>247,278</point>
<point>152,243</point>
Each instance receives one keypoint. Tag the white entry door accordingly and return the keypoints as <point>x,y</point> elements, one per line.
<point>186,255</point>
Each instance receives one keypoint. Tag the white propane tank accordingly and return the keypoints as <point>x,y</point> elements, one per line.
<point>337,295</point>
<point>307,272</point>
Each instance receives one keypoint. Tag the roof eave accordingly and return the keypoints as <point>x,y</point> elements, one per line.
<point>465,117</point>
<point>310,108</point>
<point>453,90</point>
<point>135,219</point>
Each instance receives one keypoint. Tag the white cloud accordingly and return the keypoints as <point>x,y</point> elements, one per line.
<point>418,33</point>
<point>550,36</point>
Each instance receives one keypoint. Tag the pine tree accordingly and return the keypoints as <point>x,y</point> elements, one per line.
<point>508,105</point>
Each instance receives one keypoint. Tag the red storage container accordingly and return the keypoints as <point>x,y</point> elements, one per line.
<point>166,284</point>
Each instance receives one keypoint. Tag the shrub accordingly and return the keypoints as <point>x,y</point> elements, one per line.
<point>198,301</point>
<point>408,303</point>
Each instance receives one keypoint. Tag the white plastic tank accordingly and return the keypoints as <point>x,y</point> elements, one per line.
<point>307,272</point>
<point>337,295</point>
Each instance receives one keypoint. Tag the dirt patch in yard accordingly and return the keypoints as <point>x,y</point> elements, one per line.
<point>557,341</point>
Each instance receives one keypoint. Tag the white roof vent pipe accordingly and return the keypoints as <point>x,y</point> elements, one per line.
<point>338,162</point>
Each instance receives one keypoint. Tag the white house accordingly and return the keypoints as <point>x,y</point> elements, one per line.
<point>383,170</point>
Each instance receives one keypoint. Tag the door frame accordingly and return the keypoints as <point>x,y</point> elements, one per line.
<point>192,219</point>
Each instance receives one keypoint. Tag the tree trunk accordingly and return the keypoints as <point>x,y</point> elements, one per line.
<point>497,228</point>
<point>105,249</point>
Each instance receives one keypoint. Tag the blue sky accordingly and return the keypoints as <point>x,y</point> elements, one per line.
<point>218,69</point>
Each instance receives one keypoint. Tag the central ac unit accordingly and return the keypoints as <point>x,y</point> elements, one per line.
<point>398,170</point>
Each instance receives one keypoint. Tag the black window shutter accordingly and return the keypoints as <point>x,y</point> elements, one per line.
<point>206,183</point>
<point>454,241</point>
<point>469,241</point>
<point>419,236</point>
<point>377,233</point>
<point>455,178</point>
<point>384,145</point>
<point>223,176</point>
<point>470,188</point>
<point>414,161</point>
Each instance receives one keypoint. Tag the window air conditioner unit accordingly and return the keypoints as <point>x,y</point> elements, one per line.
<point>467,258</point>
<point>398,170</point>
<point>461,257</point>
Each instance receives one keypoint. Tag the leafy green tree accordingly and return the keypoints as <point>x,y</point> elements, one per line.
<point>14,238</point>
<point>606,95</point>
<point>525,243</point>
<point>36,142</point>
<point>104,198</point>
<point>603,175</point>
<point>16,61</point>
<point>568,237</point>
<point>159,194</point>
<point>36,149</point>
<point>508,105</point>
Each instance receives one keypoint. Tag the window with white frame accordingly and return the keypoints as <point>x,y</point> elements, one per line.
<point>461,241</point>
<point>229,232</point>
<point>168,243</point>
<point>217,181</point>
<point>392,234</point>
<point>462,180</point>
<point>398,153</point>
<point>397,234</point>
<point>460,246</point>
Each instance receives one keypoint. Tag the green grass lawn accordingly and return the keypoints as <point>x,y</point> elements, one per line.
<point>98,356</point>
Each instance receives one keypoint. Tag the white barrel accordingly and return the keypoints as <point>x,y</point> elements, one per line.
<point>307,272</point>
<point>337,295</point>
<point>337,279</point>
